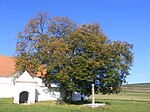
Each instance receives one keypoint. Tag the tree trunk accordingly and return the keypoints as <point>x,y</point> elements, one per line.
<point>68,96</point>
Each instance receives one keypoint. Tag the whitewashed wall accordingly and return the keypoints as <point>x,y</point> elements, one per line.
<point>6,91</point>
<point>37,91</point>
<point>6,87</point>
<point>29,89</point>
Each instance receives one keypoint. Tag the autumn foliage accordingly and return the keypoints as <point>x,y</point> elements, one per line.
<point>73,56</point>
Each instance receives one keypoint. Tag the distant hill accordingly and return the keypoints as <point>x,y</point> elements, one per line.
<point>139,87</point>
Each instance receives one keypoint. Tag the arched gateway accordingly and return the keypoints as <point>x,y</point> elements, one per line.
<point>25,89</point>
<point>23,97</point>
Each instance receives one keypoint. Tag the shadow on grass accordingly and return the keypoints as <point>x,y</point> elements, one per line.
<point>88,102</point>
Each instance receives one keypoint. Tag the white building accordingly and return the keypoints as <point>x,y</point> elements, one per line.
<point>25,88</point>
<point>28,89</point>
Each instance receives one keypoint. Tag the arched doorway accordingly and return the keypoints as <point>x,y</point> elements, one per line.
<point>23,97</point>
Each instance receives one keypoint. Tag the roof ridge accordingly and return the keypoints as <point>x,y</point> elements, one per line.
<point>6,56</point>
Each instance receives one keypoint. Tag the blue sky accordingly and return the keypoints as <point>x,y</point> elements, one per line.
<point>125,20</point>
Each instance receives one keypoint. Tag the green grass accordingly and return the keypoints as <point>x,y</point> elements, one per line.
<point>134,98</point>
<point>113,104</point>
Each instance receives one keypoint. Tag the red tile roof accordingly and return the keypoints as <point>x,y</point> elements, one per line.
<point>7,66</point>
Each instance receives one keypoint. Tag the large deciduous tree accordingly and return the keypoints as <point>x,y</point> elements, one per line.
<point>75,57</point>
<point>35,37</point>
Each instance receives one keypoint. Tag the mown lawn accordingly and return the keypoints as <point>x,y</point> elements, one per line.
<point>112,105</point>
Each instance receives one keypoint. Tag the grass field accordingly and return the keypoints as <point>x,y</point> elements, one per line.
<point>131,96</point>
<point>6,105</point>
<point>127,101</point>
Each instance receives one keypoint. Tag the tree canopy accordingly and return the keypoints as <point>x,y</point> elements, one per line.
<point>73,56</point>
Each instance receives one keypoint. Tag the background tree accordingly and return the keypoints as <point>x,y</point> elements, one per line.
<point>75,57</point>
